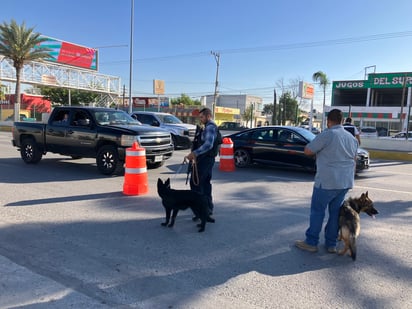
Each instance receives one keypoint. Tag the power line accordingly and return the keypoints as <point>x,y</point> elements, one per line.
<point>349,40</point>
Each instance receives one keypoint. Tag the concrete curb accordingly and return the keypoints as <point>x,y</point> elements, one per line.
<point>5,126</point>
<point>390,155</point>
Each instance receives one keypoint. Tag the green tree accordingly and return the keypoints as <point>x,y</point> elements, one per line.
<point>185,100</point>
<point>17,44</point>
<point>61,96</point>
<point>323,81</point>
<point>268,109</point>
<point>289,108</point>
<point>248,115</point>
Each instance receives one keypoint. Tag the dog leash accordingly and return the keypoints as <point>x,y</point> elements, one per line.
<point>195,174</point>
<point>191,169</point>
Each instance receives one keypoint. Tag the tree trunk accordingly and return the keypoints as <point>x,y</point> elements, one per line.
<point>17,98</point>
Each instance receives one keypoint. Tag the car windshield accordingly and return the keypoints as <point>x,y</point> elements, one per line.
<point>107,117</point>
<point>305,133</point>
<point>169,119</point>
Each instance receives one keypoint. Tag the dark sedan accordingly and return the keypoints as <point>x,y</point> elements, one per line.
<point>280,145</point>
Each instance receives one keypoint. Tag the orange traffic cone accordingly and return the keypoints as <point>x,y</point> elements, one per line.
<point>227,161</point>
<point>135,172</point>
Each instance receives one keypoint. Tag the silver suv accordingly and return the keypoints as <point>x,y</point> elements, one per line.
<point>182,133</point>
<point>368,132</point>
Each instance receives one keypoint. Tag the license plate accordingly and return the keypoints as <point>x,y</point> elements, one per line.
<point>158,158</point>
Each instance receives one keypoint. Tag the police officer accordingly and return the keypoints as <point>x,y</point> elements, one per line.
<point>348,126</point>
<point>203,155</point>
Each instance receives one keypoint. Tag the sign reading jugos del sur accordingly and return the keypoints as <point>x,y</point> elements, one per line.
<point>378,80</point>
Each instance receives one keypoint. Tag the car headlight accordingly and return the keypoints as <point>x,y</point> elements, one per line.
<point>181,132</point>
<point>128,140</point>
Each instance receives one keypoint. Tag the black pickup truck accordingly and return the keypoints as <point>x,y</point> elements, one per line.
<point>91,132</point>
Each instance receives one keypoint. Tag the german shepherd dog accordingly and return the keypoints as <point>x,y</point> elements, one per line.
<point>349,221</point>
<point>175,200</point>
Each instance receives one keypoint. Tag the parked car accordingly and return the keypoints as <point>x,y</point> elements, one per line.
<point>233,126</point>
<point>400,136</point>
<point>382,131</point>
<point>314,129</point>
<point>182,133</point>
<point>23,117</point>
<point>280,145</point>
<point>368,132</point>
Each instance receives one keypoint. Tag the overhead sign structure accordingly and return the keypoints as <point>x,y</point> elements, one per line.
<point>70,54</point>
<point>306,90</point>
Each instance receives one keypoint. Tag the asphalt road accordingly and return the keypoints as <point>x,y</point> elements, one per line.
<point>70,238</point>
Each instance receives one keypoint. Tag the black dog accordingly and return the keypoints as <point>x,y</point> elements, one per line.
<point>175,200</point>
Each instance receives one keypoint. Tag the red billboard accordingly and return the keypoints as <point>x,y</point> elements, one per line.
<point>70,54</point>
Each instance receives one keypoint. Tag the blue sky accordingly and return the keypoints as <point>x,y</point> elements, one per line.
<point>260,42</point>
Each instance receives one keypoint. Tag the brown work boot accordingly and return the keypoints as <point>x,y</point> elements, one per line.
<point>331,249</point>
<point>301,244</point>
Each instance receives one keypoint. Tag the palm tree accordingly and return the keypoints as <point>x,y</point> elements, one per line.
<point>17,43</point>
<point>323,80</point>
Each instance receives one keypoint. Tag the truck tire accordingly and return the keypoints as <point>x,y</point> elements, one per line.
<point>30,152</point>
<point>107,159</point>
<point>174,140</point>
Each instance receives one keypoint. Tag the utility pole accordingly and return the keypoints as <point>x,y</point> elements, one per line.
<point>217,59</point>
<point>402,121</point>
<point>251,115</point>
<point>274,122</point>
<point>124,93</point>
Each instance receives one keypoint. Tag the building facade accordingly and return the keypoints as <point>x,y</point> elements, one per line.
<point>232,107</point>
<point>382,101</point>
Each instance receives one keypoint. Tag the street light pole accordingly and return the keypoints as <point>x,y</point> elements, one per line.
<point>131,58</point>
<point>217,59</point>
<point>274,122</point>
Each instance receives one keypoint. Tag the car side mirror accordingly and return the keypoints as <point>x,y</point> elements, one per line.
<point>155,123</point>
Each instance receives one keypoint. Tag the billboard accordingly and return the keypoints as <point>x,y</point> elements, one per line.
<point>306,90</point>
<point>158,86</point>
<point>150,102</point>
<point>390,80</point>
<point>377,80</point>
<point>70,54</point>
<point>350,84</point>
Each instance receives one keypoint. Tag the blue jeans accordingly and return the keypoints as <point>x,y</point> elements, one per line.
<point>322,198</point>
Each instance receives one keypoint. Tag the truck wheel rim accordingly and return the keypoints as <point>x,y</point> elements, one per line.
<point>29,151</point>
<point>108,160</point>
